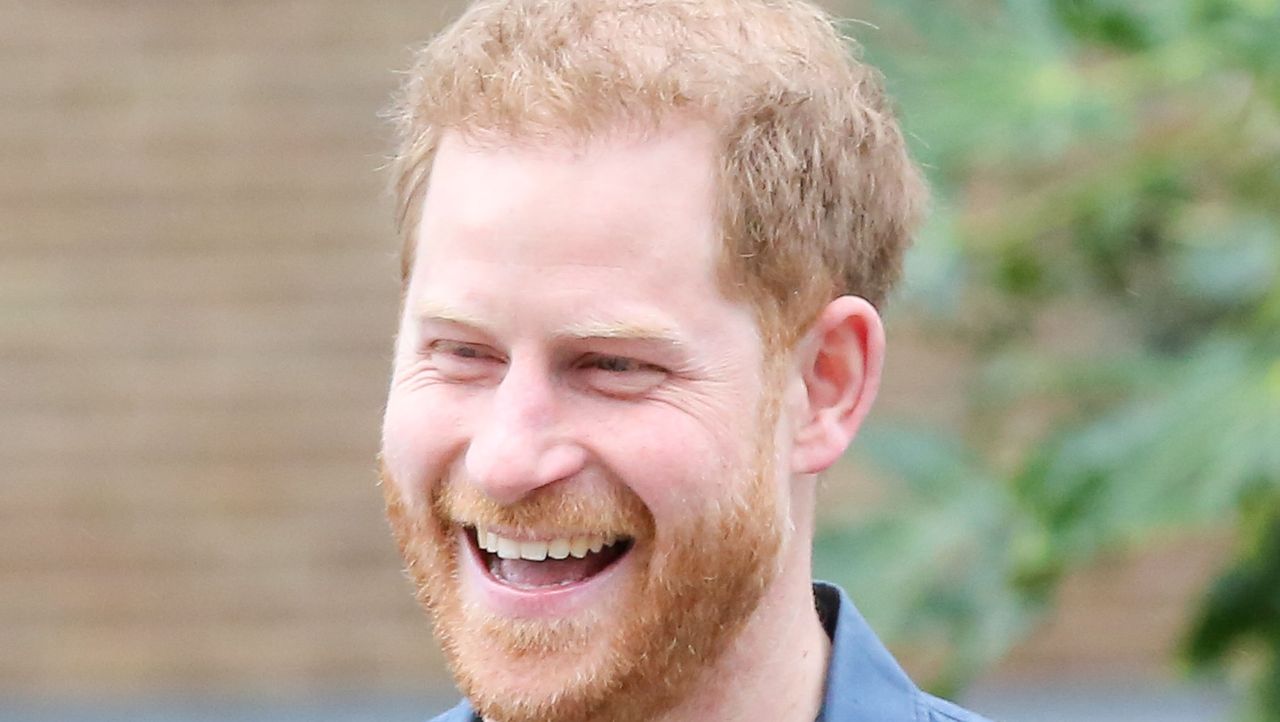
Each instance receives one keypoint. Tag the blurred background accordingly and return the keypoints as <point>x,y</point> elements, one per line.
<point>1067,506</point>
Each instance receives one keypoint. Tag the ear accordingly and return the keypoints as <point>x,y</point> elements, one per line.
<point>840,361</point>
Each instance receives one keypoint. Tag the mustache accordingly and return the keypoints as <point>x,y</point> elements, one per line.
<point>560,509</point>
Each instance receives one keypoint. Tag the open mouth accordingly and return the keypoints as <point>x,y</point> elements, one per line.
<point>546,563</point>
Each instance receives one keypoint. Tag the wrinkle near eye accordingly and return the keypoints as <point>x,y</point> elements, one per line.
<point>703,399</point>
<point>413,376</point>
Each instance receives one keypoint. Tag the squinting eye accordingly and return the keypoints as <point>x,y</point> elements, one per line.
<point>616,364</point>
<point>456,349</point>
<point>620,376</point>
<point>462,361</point>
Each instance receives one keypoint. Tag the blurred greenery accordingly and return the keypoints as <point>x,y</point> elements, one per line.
<point>1105,246</point>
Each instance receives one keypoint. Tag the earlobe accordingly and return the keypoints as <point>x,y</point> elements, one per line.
<point>840,362</point>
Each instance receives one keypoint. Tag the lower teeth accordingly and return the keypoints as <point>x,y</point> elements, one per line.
<point>550,573</point>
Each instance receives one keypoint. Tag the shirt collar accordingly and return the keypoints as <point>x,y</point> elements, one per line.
<point>863,680</point>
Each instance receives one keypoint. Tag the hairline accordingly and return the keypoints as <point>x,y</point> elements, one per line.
<point>733,282</point>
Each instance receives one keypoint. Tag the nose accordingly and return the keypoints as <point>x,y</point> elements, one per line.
<point>519,447</point>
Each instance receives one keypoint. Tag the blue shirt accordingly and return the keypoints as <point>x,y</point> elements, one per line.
<point>864,683</point>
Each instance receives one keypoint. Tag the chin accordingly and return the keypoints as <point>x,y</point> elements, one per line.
<point>571,684</point>
<point>625,637</point>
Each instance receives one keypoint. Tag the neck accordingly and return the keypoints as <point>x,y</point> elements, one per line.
<point>776,668</point>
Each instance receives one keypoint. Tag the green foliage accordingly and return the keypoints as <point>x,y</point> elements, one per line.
<point>1114,163</point>
<point>935,575</point>
<point>1242,608</point>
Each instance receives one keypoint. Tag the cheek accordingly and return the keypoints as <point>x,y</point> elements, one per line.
<point>419,436</point>
<point>678,465</point>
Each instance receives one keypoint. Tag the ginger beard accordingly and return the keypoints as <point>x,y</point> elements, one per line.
<point>690,591</point>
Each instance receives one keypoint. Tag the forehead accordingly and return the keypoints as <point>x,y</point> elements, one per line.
<point>629,215</point>
<point>626,188</point>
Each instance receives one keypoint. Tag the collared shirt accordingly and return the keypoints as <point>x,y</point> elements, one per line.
<point>864,683</point>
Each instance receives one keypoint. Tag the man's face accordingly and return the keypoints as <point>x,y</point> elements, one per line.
<point>579,450</point>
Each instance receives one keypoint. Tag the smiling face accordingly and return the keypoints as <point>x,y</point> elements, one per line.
<point>580,444</point>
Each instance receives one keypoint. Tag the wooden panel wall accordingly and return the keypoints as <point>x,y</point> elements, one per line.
<point>197,290</point>
<point>198,287</point>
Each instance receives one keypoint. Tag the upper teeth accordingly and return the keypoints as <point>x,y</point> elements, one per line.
<point>560,548</point>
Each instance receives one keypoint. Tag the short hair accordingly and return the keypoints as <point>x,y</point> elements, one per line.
<point>817,195</point>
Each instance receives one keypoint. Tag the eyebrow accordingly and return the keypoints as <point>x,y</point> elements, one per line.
<point>640,329</point>
<point>445,313</point>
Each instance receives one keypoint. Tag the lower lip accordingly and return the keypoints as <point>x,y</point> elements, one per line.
<point>554,601</point>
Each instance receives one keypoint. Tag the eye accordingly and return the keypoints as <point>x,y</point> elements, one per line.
<point>461,350</point>
<point>463,361</point>
<point>615,364</point>
<point>620,375</point>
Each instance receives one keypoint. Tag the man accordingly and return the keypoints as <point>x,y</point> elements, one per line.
<point>645,241</point>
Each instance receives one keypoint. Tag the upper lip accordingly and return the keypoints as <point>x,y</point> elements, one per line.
<point>543,536</point>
